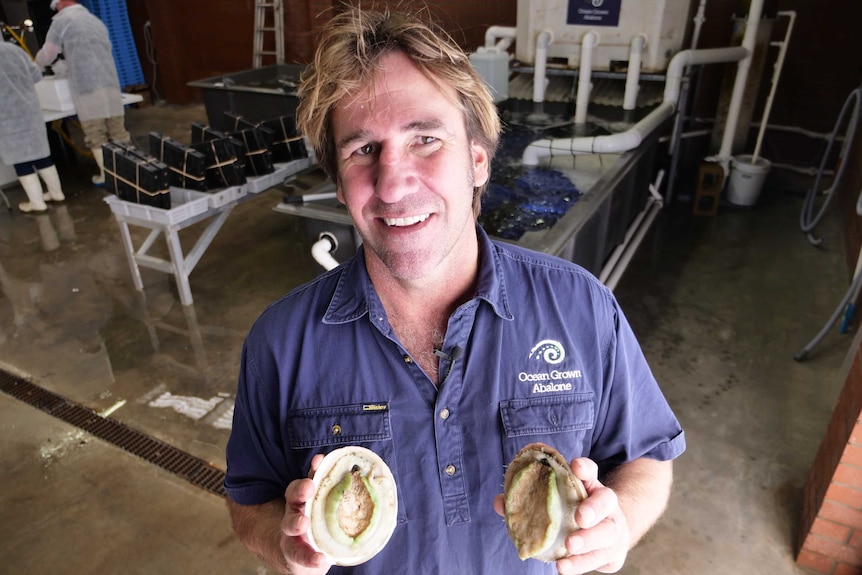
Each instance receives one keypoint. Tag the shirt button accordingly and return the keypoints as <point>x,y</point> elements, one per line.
<point>450,470</point>
<point>408,359</point>
<point>444,413</point>
<point>336,429</point>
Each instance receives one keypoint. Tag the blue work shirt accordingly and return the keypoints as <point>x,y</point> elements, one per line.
<point>542,352</point>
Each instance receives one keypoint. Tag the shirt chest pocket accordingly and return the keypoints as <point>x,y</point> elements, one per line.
<point>323,429</point>
<point>340,425</point>
<point>562,422</point>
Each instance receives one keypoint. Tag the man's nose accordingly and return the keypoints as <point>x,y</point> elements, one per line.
<point>395,175</point>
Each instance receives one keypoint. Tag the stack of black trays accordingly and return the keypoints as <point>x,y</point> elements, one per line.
<point>187,166</point>
<point>135,177</point>
<point>256,144</point>
<point>223,154</point>
<point>287,144</point>
<point>282,138</point>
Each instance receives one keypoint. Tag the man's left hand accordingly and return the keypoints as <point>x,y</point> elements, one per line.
<point>602,542</point>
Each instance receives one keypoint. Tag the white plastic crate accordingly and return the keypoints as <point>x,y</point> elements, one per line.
<point>185,204</point>
<point>226,196</point>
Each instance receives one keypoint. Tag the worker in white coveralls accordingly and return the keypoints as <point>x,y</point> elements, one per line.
<point>84,42</point>
<point>23,139</point>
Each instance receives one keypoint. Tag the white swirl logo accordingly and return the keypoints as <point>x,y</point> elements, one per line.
<point>548,350</point>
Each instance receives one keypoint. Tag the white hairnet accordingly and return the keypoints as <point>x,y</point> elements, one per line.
<point>54,4</point>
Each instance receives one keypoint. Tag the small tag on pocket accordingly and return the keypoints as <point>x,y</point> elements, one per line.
<point>374,407</point>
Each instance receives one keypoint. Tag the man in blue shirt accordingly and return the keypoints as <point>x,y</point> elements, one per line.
<point>439,349</point>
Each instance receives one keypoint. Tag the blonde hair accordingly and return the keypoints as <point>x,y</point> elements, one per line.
<point>349,50</point>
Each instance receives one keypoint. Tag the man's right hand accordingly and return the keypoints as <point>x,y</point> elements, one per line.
<point>277,531</point>
<point>301,559</point>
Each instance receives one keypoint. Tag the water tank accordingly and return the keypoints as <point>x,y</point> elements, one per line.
<point>617,22</point>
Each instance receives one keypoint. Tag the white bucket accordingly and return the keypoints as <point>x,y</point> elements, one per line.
<point>746,180</point>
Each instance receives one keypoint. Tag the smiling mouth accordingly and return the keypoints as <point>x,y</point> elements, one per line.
<point>404,222</point>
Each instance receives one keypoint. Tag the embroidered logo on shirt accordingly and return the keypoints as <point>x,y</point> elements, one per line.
<point>555,380</point>
<point>548,350</point>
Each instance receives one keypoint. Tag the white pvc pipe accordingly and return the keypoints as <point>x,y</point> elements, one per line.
<point>781,128</point>
<point>322,250</point>
<point>503,44</point>
<point>543,40</point>
<point>621,256</point>
<point>686,135</point>
<point>585,72</point>
<point>636,51</point>
<point>652,211</point>
<point>749,40</point>
<point>699,19</point>
<point>686,58</point>
<point>775,76</point>
<point>632,138</point>
<point>496,34</point>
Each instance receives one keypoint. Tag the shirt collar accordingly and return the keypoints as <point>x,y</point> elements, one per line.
<point>355,296</point>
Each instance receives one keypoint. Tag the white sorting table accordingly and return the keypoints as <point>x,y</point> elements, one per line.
<point>188,208</point>
<point>7,173</point>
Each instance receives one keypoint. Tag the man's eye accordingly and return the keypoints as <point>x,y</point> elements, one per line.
<point>365,150</point>
<point>427,139</point>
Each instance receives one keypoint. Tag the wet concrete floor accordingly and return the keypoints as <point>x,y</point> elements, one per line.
<point>721,305</point>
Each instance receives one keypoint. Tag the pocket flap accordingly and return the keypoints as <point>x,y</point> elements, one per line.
<point>342,424</point>
<point>543,415</point>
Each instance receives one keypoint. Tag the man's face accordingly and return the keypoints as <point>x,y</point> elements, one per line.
<point>406,172</point>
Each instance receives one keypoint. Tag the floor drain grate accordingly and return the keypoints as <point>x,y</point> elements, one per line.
<point>194,470</point>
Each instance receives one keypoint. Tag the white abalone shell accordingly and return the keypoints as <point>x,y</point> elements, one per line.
<point>354,510</point>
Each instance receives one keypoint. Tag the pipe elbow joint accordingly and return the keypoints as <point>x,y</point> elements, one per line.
<point>495,33</point>
<point>544,39</point>
<point>531,155</point>
<point>591,39</point>
<point>330,237</point>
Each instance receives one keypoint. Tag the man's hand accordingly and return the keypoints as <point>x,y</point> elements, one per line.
<point>277,532</point>
<point>603,540</point>
<point>298,554</point>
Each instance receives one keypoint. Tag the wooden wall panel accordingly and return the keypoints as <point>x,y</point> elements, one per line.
<point>197,39</point>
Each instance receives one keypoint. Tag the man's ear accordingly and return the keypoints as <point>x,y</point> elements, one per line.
<point>481,167</point>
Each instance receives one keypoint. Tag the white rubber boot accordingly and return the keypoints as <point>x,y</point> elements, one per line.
<point>52,182</point>
<point>33,188</point>
<point>99,179</point>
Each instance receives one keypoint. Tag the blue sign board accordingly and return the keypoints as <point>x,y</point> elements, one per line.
<point>594,12</point>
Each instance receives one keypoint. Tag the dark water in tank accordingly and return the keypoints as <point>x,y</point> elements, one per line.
<point>519,198</point>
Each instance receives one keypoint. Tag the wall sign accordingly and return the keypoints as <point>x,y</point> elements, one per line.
<point>594,12</point>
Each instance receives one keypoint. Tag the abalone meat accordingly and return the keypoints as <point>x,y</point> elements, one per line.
<point>541,495</point>
<point>355,506</point>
